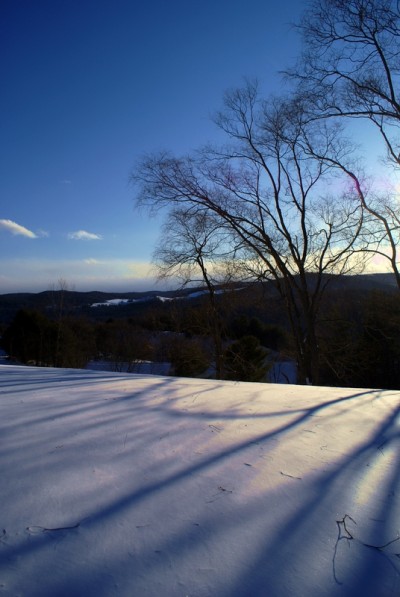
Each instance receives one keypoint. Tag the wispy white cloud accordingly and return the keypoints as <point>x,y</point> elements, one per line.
<point>84,235</point>
<point>66,181</point>
<point>16,229</point>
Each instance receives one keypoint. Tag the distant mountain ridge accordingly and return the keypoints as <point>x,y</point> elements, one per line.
<point>75,301</point>
<point>54,300</point>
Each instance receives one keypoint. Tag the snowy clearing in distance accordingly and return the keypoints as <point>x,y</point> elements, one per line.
<point>133,485</point>
<point>162,299</point>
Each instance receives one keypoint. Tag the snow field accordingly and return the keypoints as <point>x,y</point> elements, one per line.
<point>130,485</point>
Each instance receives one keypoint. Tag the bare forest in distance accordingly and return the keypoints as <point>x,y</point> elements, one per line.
<point>357,331</point>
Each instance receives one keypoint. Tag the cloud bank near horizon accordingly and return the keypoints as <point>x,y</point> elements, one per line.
<point>113,275</point>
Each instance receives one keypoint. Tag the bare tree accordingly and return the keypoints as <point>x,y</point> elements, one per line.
<point>195,249</point>
<point>59,307</point>
<point>351,62</point>
<point>350,69</point>
<point>270,191</point>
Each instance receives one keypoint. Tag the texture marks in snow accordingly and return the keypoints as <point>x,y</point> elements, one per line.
<point>124,485</point>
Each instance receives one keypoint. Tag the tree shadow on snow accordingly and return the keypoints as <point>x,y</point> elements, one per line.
<point>359,543</point>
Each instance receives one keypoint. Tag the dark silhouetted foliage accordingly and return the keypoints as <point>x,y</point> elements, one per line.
<point>245,360</point>
<point>32,338</point>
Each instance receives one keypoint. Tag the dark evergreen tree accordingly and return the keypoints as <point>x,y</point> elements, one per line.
<point>245,360</point>
<point>187,356</point>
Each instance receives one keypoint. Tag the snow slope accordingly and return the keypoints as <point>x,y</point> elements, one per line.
<point>135,485</point>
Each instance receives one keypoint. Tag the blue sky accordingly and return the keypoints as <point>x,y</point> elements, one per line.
<point>87,87</point>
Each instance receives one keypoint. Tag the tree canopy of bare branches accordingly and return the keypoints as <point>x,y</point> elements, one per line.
<point>271,188</point>
<point>350,69</point>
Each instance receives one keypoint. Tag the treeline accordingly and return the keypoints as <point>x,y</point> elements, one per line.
<point>360,341</point>
<point>33,338</point>
<point>357,336</point>
<point>177,334</point>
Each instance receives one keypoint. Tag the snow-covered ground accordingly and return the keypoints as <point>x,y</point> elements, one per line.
<point>113,302</point>
<point>280,372</point>
<point>138,485</point>
<point>147,367</point>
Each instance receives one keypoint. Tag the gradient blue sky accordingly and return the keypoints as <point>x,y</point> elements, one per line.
<point>87,86</point>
